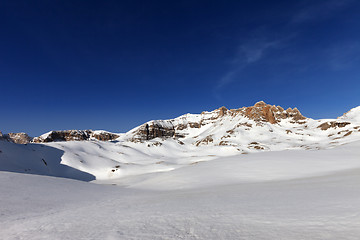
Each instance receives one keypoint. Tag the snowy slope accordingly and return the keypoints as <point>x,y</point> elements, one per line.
<point>37,159</point>
<point>261,167</point>
<point>252,201</point>
<point>353,115</point>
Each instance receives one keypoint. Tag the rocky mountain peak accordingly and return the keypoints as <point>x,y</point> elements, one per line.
<point>264,112</point>
<point>222,111</point>
<point>260,104</point>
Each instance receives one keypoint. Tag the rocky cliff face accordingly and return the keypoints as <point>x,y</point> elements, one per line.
<point>153,130</point>
<point>272,114</point>
<point>103,135</point>
<point>75,135</point>
<point>262,112</point>
<point>67,135</point>
<point>20,138</point>
<point>179,127</point>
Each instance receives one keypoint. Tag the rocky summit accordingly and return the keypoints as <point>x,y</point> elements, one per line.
<point>270,113</point>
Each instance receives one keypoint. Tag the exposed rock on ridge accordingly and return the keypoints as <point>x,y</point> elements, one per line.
<point>75,135</point>
<point>223,127</point>
<point>104,136</point>
<point>174,128</point>
<point>153,130</point>
<point>327,125</point>
<point>20,138</point>
<point>263,112</point>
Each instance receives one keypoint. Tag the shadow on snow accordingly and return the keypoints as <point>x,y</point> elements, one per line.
<point>37,159</point>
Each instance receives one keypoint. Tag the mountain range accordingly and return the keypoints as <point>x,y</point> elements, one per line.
<point>165,145</point>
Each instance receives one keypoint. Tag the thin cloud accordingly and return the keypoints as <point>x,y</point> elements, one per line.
<point>251,52</point>
<point>344,56</point>
<point>319,11</point>
<point>255,50</point>
<point>228,77</point>
<point>248,53</point>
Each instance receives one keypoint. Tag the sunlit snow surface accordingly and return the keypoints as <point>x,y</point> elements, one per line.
<point>353,115</point>
<point>271,195</point>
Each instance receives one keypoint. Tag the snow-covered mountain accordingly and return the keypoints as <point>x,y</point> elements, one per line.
<point>257,172</point>
<point>249,129</point>
<point>259,127</point>
<point>165,145</point>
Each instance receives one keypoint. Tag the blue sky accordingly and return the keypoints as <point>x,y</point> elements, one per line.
<point>115,64</point>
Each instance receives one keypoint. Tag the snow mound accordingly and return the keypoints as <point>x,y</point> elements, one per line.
<point>353,115</point>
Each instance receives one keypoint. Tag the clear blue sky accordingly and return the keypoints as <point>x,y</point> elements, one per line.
<point>115,64</point>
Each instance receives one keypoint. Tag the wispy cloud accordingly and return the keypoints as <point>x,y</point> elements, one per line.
<point>228,77</point>
<point>344,56</point>
<point>248,53</point>
<point>256,49</point>
<point>253,51</point>
<point>319,11</point>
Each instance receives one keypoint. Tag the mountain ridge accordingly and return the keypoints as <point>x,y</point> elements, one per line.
<point>165,145</point>
<point>183,127</point>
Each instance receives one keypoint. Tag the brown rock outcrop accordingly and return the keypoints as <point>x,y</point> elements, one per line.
<point>75,135</point>
<point>190,124</point>
<point>270,113</point>
<point>204,141</point>
<point>222,111</point>
<point>66,135</point>
<point>104,136</point>
<point>20,138</point>
<point>263,112</point>
<point>327,125</point>
<point>195,125</point>
<point>153,130</point>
